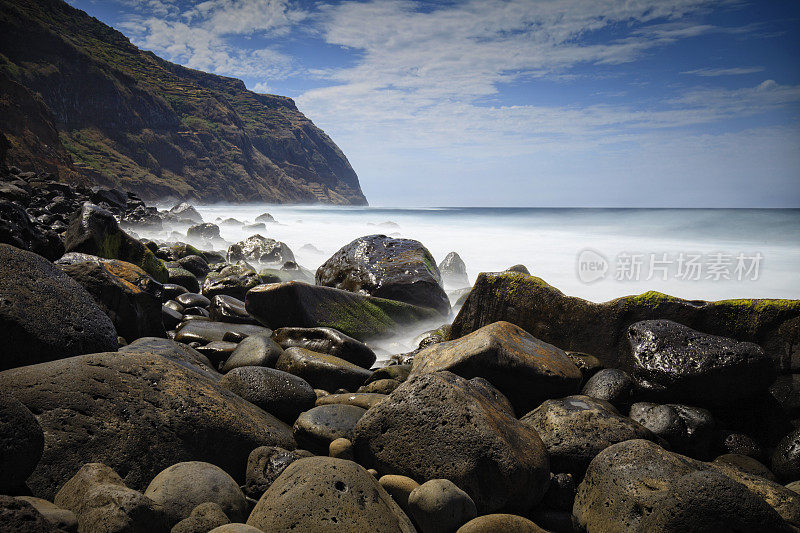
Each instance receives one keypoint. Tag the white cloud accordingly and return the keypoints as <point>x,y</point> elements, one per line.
<point>715,72</point>
<point>261,87</point>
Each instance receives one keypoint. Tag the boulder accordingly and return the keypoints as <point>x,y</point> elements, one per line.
<point>576,428</point>
<point>786,457</point>
<point>58,517</point>
<point>365,400</point>
<point>638,486</point>
<point>235,528</point>
<point>328,341</point>
<point>278,393</point>
<point>600,329</point>
<point>127,294</point>
<point>95,231</point>
<point>177,352</point>
<point>322,371</point>
<point>17,229</point>
<point>264,465</point>
<point>232,280</point>
<point>112,197</point>
<point>255,350</point>
<point>442,426</point>
<point>677,363</point>
<point>362,317</point>
<point>745,464</point>
<point>205,331</point>
<point>184,278</point>
<point>265,217</point>
<point>498,523</point>
<point>611,385</point>
<point>45,314</point>
<point>439,505</point>
<point>324,494</point>
<point>187,212</point>
<point>341,448</point>
<point>202,519</point>
<point>315,429</point>
<point>183,486</point>
<point>259,249</point>
<point>226,308</point>
<point>688,430</point>
<point>102,503</point>
<point>399,488</point>
<point>85,403</point>
<point>18,515</point>
<point>385,267</point>
<point>205,231</point>
<point>380,387</point>
<point>526,370</point>
<point>453,271</point>
<point>21,443</point>
<point>194,264</point>
<point>191,299</point>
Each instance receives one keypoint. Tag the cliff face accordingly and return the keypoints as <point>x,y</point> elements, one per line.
<point>129,119</point>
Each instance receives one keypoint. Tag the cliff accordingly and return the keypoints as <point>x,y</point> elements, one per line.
<point>78,99</point>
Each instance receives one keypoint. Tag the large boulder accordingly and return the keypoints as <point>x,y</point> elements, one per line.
<point>95,231</point>
<point>576,428</point>
<point>453,271</point>
<point>328,341</point>
<point>259,249</point>
<point>18,515</point>
<point>17,229</point>
<point>675,362</point>
<point>688,430</point>
<point>177,352</point>
<point>442,426</point>
<point>638,486</point>
<point>226,308</point>
<point>187,212</point>
<point>128,295</point>
<point>279,393</point>
<point>395,269</point>
<point>362,317</point>
<point>439,505</point>
<point>21,443</point>
<point>324,494</point>
<point>322,371</point>
<point>255,350</point>
<point>232,280</point>
<point>526,370</point>
<point>45,314</point>
<point>600,329</point>
<point>86,403</point>
<point>204,331</point>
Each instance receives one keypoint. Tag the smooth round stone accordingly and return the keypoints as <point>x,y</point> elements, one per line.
<point>745,464</point>
<point>175,306</point>
<point>278,393</point>
<point>500,523</point>
<point>208,331</point>
<point>194,264</point>
<point>183,486</point>
<point>181,276</point>
<point>439,505</point>
<point>236,528</point>
<point>190,299</point>
<point>170,317</point>
<point>396,372</point>
<point>364,400</point>
<point>217,351</point>
<point>382,386</point>
<point>786,457</point>
<point>172,291</point>
<point>341,449</point>
<point>399,487</point>
<point>316,428</point>
<point>612,385</point>
<point>203,518</point>
<point>255,350</point>
<point>225,308</point>
<point>322,371</point>
<point>195,311</point>
<point>328,341</point>
<point>21,442</point>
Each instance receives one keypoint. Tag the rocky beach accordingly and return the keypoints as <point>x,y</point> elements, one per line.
<point>197,385</point>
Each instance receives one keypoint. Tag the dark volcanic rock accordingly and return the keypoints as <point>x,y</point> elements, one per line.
<point>328,341</point>
<point>128,295</point>
<point>205,331</point>
<point>576,428</point>
<point>322,371</point>
<point>612,385</point>
<point>95,231</point>
<point>20,516</point>
<point>184,278</point>
<point>195,264</point>
<point>226,308</point>
<point>86,403</point>
<point>638,486</point>
<point>786,458</point>
<point>497,523</point>
<point>453,271</point>
<point>45,314</point>
<point>265,464</point>
<point>315,429</point>
<point>17,229</point>
<point>206,231</point>
<point>396,269</point>
<point>439,505</point>
<point>255,350</point>
<point>232,280</point>
<point>688,430</point>
<point>259,250</point>
<point>526,370</point>
<point>361,317</point>
<point>21,443</point>
<point>328,495</point>
<point>187,212</point>
<point>177,352</point>
<point>675,362</point>
<point>600,329</point>
<point>440,425</point>
<point>278,393</point>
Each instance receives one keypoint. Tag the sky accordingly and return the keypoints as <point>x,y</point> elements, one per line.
<point>553,103</point>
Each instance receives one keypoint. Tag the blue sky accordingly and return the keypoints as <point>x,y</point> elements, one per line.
<point>651,103</point>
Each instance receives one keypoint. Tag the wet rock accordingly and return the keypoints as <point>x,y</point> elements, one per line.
<point>111,197</point>
<point>397,372</point>
<point>676,362</point>
<point>94,231</point>
<point>59,518</point>
<point>638,486</point>
<point>526,370</point>
<point>45,314</point>
<point>171,291</point>
<point>186,211</point>
<point>278,393</point>
<point>232,280</point>
<point>202,519</point>
<point>496,523</point>
<point>127,294</point>
<point>739,443</point>
<point>363,400</point>
<point>322,371</point>
<point>85,403</point>
<point>453,271</point>
<point>181,276</point>
<point>382,386</point>
<point>265,217</point>
<point>176,352</point>
<point>688,430</point>
<point>600,329</point>
<point>17,515</point>
<point>226,308</point>
<point>102,502</point>
<point>458,429</point>
<point>439,505</point>
<point>612,385</point>
<point>21,443</point>
<point>589,365</point>
<point>328,341</point>
<point>206,231</point>
<point>745,464</point>
<point>255,350</point>
<point>17,229</point>
<point>396,269</point>
<point>309,306</point>
<point>315,429</point>
<point>195,264</point>
<point>324,494</point>
<point>170,318</point>
<point>265,464</point>
<point>786,457</point>
<point>218,351</point>
<point>576,428</point>
<point>519,269</point>
<point>183,486</point>
<point>206,331</point>
<point>260,249</point>
<point>190,299</point>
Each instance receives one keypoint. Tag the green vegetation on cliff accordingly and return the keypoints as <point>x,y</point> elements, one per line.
<point>130,119</point>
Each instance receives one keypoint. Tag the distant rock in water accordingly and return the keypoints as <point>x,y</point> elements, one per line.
<point>188,212</point>
<point>454,271</point>
<point>265,217</point>
<point>260,250</point>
